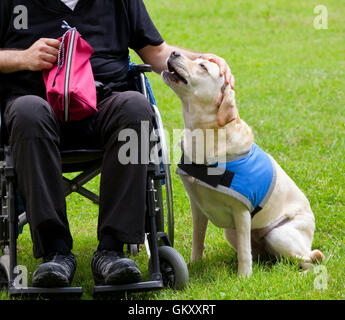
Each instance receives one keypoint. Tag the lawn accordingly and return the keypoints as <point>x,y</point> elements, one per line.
<point>290,80</point>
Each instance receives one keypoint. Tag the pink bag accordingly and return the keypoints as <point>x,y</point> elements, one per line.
<point>70,85</point>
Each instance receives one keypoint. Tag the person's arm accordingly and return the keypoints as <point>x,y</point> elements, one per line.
<point>11,61</point>
<point>157,57</point>
<point>41,55</point>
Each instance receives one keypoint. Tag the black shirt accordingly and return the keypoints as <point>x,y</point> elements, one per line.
<point>109,26</point>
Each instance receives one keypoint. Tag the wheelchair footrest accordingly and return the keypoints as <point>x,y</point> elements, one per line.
<point>131,287</point>
<point>46,292</point>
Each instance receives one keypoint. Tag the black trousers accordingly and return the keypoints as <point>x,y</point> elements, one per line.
<point>36,138</point>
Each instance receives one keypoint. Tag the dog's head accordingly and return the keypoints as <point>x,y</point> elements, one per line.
<point>198,83</point>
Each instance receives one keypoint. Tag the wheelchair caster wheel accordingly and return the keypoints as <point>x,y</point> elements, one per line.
<point>173,268</point>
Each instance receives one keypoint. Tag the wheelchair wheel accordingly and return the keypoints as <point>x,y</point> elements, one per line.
<point>169,203</point>
<point>173,268</point>
<point>165,162</point>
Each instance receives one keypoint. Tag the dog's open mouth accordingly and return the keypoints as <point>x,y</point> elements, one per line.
<point>175,75</point>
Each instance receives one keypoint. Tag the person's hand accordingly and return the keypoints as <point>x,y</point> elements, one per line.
<point>224,68</point>
<point>41,55</point>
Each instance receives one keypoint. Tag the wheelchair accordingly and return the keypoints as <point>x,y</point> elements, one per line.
<point>166,266</point>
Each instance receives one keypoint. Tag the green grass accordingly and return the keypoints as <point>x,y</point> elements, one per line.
<point>290,81</point>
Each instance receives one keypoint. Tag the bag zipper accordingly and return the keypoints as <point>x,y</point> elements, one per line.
<point>68,73</point>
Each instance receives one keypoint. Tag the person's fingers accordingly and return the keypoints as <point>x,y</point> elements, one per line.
<point>48,58</point>
<point>51,51</point>
<point>46,66</point>
<point>227,73</point>
<point>51,42</point>
<point>232,81</point>
<point>224,69</point>
<point>215,60</point>
<point>41,65</point>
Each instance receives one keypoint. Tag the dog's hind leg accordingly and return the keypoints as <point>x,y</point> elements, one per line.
<point>200,222</point>
<point>294,239</point>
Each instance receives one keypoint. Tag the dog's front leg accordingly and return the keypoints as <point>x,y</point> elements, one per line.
<point>199,230</point>
<point>244,252</point>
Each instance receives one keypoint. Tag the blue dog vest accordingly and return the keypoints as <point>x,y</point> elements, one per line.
<point>250,178</point>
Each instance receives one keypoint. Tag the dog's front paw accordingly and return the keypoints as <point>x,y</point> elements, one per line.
<point>195,257</point>
<point>197,251</point>
<point>245,269</point>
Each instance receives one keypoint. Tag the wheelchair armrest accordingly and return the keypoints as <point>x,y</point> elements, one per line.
<point>137,69</point>
<point>143,68</point>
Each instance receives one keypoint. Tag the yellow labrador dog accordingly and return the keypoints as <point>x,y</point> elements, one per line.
<point>273,216</point>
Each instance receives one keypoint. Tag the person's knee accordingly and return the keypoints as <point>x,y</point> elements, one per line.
<point>29,109</point>
<point>136,108</point>
<point>31,116</point>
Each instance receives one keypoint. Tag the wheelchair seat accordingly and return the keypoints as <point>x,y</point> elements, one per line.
<point>80,156</point>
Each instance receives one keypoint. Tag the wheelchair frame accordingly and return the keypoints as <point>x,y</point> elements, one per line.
<point>166,265</point>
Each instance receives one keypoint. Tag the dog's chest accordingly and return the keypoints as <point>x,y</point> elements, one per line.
<point>218,207</point>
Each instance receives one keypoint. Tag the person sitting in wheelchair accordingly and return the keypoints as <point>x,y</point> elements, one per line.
<point>36,136</point>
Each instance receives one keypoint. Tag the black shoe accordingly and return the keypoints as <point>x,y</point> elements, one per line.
<point>56,270</point>
<point>111,268</point>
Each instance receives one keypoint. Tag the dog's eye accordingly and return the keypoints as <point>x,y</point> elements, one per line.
<point>203,66</point>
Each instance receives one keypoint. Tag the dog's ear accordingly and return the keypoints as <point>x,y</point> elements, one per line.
<point>227,110</point>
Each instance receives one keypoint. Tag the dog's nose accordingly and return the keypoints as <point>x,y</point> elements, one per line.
<point>175,54</point>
